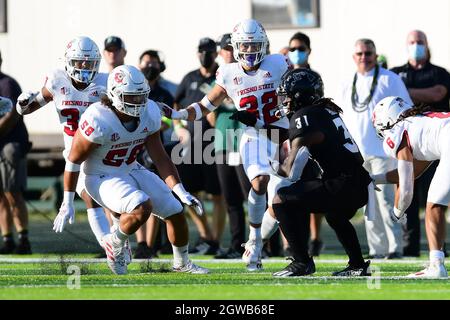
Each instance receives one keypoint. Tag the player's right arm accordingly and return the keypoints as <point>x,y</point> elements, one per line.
<point>197,110</point>
<point>405,190</point>
<point>28,102</point>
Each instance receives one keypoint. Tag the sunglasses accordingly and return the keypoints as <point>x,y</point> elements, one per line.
<point>366,53</point>
<point>301,48</point>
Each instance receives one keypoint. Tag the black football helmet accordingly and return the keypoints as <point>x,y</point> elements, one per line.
<point>302,86</point>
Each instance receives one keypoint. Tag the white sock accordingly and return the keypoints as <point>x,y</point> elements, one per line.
<point>255,233</point>
<point>436,255</point>
<point>116,223</point>
<point>180,255</point>
<point>269,226</point>
<point>256,206</point>
<point>98,222</point>
<point>119,237</point>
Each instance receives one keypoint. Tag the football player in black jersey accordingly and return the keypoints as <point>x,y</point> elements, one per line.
<point>317,131</point>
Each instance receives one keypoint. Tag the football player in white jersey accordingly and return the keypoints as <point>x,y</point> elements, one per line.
<point>416,136</point>
<point>72,90</point>
<point>110,136</point>
<point>251,83</point>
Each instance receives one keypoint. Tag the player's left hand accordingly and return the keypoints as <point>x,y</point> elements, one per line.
<point>170,113</point>
<point>399,217</point>
<point>244,117</point>
<point>66,213</point>
<point>188,199</point>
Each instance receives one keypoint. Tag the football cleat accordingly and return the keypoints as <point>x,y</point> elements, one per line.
<point>191,267</point>
<point>252,254</point>
<point>296,269</point>
<point>435,270</point>
<point>351,271</point>
<point>115,256</point>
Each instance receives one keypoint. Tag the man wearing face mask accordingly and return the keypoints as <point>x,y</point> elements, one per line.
<point>199,176</point>
<point>299,50</point>
<point>429,84</point>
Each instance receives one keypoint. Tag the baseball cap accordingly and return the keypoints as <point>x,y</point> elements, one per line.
<point>225,41</point>
<point>114,42</point>
<point>207,44</point>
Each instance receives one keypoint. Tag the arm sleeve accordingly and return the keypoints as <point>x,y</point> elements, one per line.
<point>406,184</point>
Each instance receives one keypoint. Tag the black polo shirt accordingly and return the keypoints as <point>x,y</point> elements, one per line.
<point>10,88</point>
<point>158,93</point>
<point>429,76</point>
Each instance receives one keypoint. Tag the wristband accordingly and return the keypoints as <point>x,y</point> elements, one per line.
<point>179,189</point>
<point>398,213</point>
<point>198,111</point>
<point>40,99</point>
<point>68,196</point>
<point>207,104</point>
<point>72,167</point>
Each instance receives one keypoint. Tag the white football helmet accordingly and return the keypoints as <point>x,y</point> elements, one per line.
<point>387,113</point>
<point>249,41</point>
<point>82,59</point>
<point>128,90</point>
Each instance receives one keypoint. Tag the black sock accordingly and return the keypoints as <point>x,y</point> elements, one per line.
<point>23,235</point>
<point>8,238</point>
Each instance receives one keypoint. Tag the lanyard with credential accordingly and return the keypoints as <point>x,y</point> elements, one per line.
<point>362,106</point>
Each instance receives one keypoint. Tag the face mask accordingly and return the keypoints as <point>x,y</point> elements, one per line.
<point>416,51</point>
<point>206,59</point>
<point>151,73</point>
<point>298,57</point>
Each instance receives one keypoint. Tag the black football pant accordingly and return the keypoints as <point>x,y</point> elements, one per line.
<point>294,203</point>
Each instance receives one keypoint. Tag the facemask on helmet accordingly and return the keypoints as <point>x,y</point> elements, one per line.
<point>299,88</point>
<point>82,59</point>
<point>387,113</point>
<point>249,42</point>
<point>128,90</point>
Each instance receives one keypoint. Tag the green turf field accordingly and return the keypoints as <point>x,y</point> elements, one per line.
<point>46,277</point>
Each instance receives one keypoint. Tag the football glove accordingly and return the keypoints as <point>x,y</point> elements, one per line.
<point>188,199</point>
<point>170,113</point>
<point>247,118</point>
<point>397,216</point>
<point>66,212</point>
<point>24,101</point>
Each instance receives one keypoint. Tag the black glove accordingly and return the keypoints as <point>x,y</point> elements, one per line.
<point>245,117</point>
